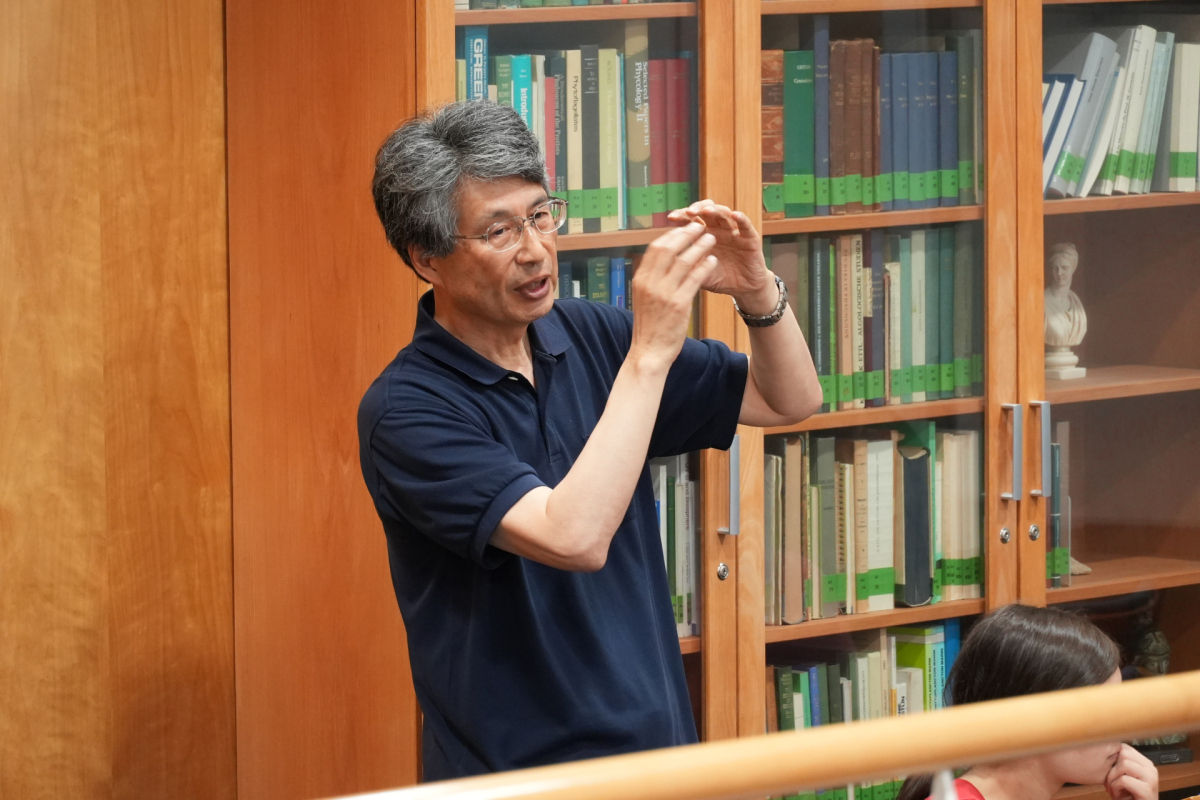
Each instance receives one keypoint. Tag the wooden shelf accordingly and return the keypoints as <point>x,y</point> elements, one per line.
<point>1108,383</point>
<point>689,644</point>
<point>1090,2</point>
<point>508,16</point>
<point>849,623</point>
<point>881,219</point>
<point>597,241</point>
<point>1126,575</point>
<point>1082,205</point>
<point>845,6</point>
<point>883,414</point>
<point>1170,777</point>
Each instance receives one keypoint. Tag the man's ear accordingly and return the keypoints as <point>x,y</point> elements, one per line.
<point>423,266</point>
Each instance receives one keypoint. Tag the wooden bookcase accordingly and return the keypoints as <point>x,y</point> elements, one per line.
<point>1136,416</point>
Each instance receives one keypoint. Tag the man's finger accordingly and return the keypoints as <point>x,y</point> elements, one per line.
<point>745,226</point>
<point>692,256</point>
<point>674,242</point>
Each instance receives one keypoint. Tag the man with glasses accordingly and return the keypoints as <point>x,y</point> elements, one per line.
<point>505,448</point>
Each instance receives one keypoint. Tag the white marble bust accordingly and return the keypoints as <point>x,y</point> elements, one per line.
<point>1066,321</point>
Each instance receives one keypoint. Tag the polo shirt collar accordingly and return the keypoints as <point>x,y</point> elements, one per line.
<point>546,336</point>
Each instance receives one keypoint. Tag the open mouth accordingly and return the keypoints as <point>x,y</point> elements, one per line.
<point>535,290</point>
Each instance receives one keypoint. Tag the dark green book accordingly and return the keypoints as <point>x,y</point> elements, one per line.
<point>946,313</point>
<point>783,699</point>
<point>502,69</point>
<point>799,176</point>
<point>966,117</point>
<point>598,279</point>
<point>834,672</point>
<point>964,308</point>
<point>977,304</point>
<point>933,304</point>
<point>819,308</point>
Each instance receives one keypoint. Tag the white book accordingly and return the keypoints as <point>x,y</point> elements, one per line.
<point>847,700</point>
<point>1160,176</point>
<point>951,499</point>
<point>1099,148</point>
<point>612,109</point>
<point>880,490</point>
<point>972,529</point>
<point>1129,50</point>
<point>913,681</point>
<point>938,550</point>
<point>814,549</point>
<point>769,540</point>
<point>1050,109</point>
<point>862,284</point>
<point>574,134</point>
<point>862,686</point>
<point>492,92</point>
<point>1062,126</point>
<point>875,685</point>
<point>1140,88</point>
<point>847,511</point>
<point>1164,44</point>
<point>1181,115</point>
<point>1091,58</point>
<point>793,511</point>
<point>917,282</point>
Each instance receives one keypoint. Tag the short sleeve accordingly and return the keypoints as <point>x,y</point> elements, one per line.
<point>702,399</point>
<point>448,479</point>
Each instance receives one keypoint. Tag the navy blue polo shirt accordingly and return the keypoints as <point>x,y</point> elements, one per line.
<point>518,664</point>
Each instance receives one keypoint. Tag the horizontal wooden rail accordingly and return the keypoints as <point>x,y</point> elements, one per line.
<point>783,763</point>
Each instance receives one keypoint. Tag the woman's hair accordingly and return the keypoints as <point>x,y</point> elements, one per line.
<point>1019,650</point>
<point>421,166</point>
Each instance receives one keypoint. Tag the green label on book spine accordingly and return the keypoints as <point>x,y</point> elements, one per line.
<point>977,369</point>
<point>900,185</point>
<point>562,196</point>
<point>1125,164</point>
<point>1108,172</point>
<point>828,394</point>
<point>962,372</point>
<point>933,377</point>
<point>966,174</point>
<point>916,186</point>
<point>608,200</point>
<point>773,197</point>
<point>833,588</point>
<point>946,372</point>
<point>933,184</point>
<point>939,580</point>
<point>679,195</point>
<point>949,181</point>
<point>1070,167</point>
<point>1058,562</point>
<point>881,580</point>
<point>906,381</point>
<point>868,191</point>
<point>591,203</point>
<point>1139,166</point>
<point>897,382</point>
<point>823,191</point>
<point>854,189</point>
<point>918,378</point>
<point>885,188</point>
<point>875,384</point>
<point>860,386</point>
<point>837,191</point>
<point>641,201</point>
<point>575,204</point>
<point>1183,165</point>
<point>808,597</point>
<point>845,388</point>
<point>799,189</point>
<point>660,198</point>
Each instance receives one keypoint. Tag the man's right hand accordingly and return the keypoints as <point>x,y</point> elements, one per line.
<point>664,287</point>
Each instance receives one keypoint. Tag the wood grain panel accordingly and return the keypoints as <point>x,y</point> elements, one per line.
<point>55,730</point>
<point>318,306</point>
<point>166,410</point>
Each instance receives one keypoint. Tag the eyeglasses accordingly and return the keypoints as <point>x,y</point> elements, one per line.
<point>506,234</point>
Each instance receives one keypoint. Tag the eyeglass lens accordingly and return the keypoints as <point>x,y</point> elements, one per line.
<point>506,234</point>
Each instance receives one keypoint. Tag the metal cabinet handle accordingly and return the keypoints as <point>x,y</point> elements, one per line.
<point>1018,446</point>
<point>1047,483</point>
<point>735,488</point>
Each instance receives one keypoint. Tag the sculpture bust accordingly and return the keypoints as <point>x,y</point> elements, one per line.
<point>1066,321</point>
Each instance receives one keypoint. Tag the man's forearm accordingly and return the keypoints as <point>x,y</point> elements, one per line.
<point>780,363</point>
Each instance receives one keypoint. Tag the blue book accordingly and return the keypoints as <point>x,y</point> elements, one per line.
<point>616,277</point>
<point>821,109</point>
<point>953,633</point>
<point>916,130</point>
<point>475,48</point>
<point>929,62</point>
<point>900,180</point>
<point>522,78</point>
<point>876,382</point>
<point>884,188</point>
<point>948,127</point>
<point>566,288</point>
<point>1056,112</point>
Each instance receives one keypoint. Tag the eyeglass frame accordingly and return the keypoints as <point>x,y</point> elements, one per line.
<point>521,223</point>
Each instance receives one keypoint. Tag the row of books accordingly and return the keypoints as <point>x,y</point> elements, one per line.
<point>871,518</point>
<point>676,500</point>
<point>613,124</point>
<point>1121,110</point>
<point>847,129</point>
<point>890,317</point>
<point>885,673</point>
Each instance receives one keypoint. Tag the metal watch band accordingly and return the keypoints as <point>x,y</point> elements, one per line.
<point>766,320</point>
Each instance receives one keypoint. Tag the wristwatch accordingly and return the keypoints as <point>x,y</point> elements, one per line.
<point>766,320</point>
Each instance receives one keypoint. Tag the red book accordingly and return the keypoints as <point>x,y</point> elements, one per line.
<point>771,65</point>
<point>853,121</point>
<point>548,109</point>
<point>679,155</point>
<point>658,138</point>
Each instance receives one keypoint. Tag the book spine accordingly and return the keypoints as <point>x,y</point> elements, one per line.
<point>966,119</point>
<point>616,281</point>
<point>818,286</point>
<point>877,367</point>
<point>862,286</point>
<point>821,111</point>
<point>932,124</point>
<point>460,79</point>
<point>845,323</point>
<point>549,125</point>
<point>622,138</point>
<point>837,127</point>
<point>907,316</point>
<point>611,110</point>
<point>637,125</point>
<point>575,156</point>
<point>933,304</point>
<point>772,65</point>
<point>678,134</point>
<point>799,177</point>
<point>1160,170</point>
<point>504,80</point>
<point>895,310</point>
<point>522,82</point>
<point>916,131</point>
<point>948,78</point>
<point>919,299</point>
<point>557,66</point>
<point>885,182</point>
<point>658,140</point>
<point>590,131</point>
<point>598,280</point>
<point>476,47</point>
<point>854,126</point>
<point>1137,104</point>
<point>946,313</point>
<point>900,131</point>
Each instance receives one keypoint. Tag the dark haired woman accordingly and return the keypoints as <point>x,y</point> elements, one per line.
<point>1019,650</point>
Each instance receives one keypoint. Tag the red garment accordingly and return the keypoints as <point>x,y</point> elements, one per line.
<point>965,791</point>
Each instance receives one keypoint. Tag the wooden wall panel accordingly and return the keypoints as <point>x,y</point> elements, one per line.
<point>318,306</point>
<point>116,675</point>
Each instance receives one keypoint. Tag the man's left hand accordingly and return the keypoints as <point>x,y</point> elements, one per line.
<point>741,268</point>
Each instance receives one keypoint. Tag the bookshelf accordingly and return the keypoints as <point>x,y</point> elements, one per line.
<point>883,219</point>
<point>517,16</point>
